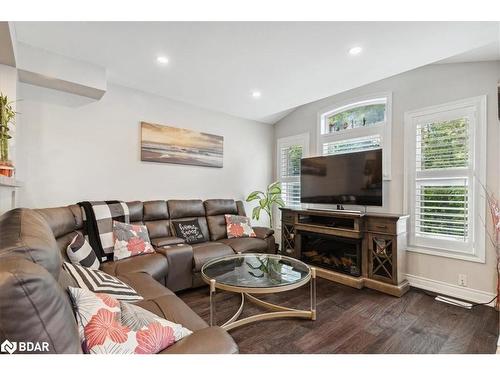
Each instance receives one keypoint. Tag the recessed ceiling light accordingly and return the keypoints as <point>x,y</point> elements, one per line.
<point>355,51</point>
<point>162,60</point>
<point>256,94</point>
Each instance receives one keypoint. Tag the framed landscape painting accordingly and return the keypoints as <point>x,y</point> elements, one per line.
<point>166,144</point>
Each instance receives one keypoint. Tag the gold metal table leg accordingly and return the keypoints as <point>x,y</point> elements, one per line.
<point>213,319</point>
<point>313,293</point>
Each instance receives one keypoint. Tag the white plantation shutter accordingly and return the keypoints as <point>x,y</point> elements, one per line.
<point>442,209</point>
<point>290,151</point>
<point>291,193</point>
<point>352,145</point>
<point>443,164</point>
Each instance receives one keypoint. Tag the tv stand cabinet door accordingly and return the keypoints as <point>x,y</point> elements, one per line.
<point>382,257</point>
<point>290,241</point>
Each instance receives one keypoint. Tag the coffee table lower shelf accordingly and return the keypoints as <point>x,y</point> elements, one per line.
<point>278,312</point>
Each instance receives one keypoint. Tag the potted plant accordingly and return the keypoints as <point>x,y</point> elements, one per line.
<point>268,200</point>
<point>7,115</point>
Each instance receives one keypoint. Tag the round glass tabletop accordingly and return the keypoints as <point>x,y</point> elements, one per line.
<point>256,271</point>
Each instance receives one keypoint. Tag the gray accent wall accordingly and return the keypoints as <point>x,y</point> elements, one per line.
<point>422,87</point>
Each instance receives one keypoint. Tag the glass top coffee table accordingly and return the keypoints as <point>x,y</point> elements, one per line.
<point>250,274</point>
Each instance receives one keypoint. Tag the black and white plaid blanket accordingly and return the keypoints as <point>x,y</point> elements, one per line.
<point>98,224</point>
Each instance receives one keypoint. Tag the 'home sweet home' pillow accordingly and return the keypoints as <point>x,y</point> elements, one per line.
<point>190,230</point>
<point>130,240</point>
<point>238,226</point>
<point>108,326</point>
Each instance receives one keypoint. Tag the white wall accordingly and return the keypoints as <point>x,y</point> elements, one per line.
<point>8,86</point>
<point>73,148</point>
<point>430,85</point>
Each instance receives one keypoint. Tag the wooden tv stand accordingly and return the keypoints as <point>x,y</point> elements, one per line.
<point>380,240</point>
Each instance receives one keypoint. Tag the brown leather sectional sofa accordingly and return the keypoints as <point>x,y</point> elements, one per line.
<point>34,305</point>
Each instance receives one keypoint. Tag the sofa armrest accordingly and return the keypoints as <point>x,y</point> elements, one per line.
<point>210,340</point>
<point>167,241</point>
<point>180,266</point>
<point>263,232</point>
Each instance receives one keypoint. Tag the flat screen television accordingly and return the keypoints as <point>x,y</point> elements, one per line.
<point>353,178</point>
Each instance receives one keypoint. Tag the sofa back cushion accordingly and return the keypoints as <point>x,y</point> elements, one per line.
<point>156,218</point>
<point>135,212</point>
<point>24,233</point>
<point>35,308</point>
<point>187,210</point>
<point>63,221</point>
<point>216,209</point>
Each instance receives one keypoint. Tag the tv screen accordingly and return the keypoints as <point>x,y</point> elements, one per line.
<point>354,178</point>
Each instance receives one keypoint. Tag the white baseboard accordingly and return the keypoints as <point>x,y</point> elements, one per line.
<point>463,293</point>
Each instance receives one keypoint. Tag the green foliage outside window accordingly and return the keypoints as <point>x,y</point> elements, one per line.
<point>294,156</point>
<point>444,209</point>
<point>356,117</point>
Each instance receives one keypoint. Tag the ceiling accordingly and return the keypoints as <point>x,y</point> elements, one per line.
<point>217,65</point>
<point>488,52</point>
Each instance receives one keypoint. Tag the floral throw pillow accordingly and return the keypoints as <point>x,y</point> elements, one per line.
<point>108,326</point>
<point>238,226</point>
<point>130,240</point>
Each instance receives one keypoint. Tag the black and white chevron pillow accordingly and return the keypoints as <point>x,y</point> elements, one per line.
<point>100,282</point>
<point>80,252</point>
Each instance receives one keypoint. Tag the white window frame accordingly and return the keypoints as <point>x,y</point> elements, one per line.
<point>475,110</point>
<point>383,129</point>
<point>299,139</point>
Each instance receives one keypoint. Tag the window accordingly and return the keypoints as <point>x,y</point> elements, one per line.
<point>290,151</point>
<point>445,167</point>
<point>360,125</point>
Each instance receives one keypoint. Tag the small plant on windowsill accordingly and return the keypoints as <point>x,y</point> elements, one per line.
<point>268,200</point>
<point>7,115</point>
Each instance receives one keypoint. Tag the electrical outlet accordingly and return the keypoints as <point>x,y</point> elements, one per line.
<point>462,279</point>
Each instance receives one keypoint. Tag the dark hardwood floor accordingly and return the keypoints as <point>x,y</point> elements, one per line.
<point>358,321</point>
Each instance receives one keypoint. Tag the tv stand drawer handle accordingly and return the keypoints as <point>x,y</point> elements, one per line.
<point>381,226</point>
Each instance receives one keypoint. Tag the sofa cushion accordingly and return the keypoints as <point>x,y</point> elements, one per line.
<point>130,240</point>
<point>155,210</point>
<point>158,228</point>
<point>185,208</point>
<point>156,218</point>
<point>145,285</point>
<point>80,252</point>
<point>175,310</point>
<point>135,210</point>
<point>203,252</point>
<point>109,326</point>
<point>246,244</point>
<point>60,219</point>
<point>220,207</point>
<point>210,340</point>
<point>34,307</point>
<point>154,264</point>
<point>25,233</point>
<point>100,282</point>
<point>216,209</point>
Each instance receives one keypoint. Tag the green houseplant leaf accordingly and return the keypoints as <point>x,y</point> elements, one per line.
<point>254,195</point>
<point>268,200</point>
